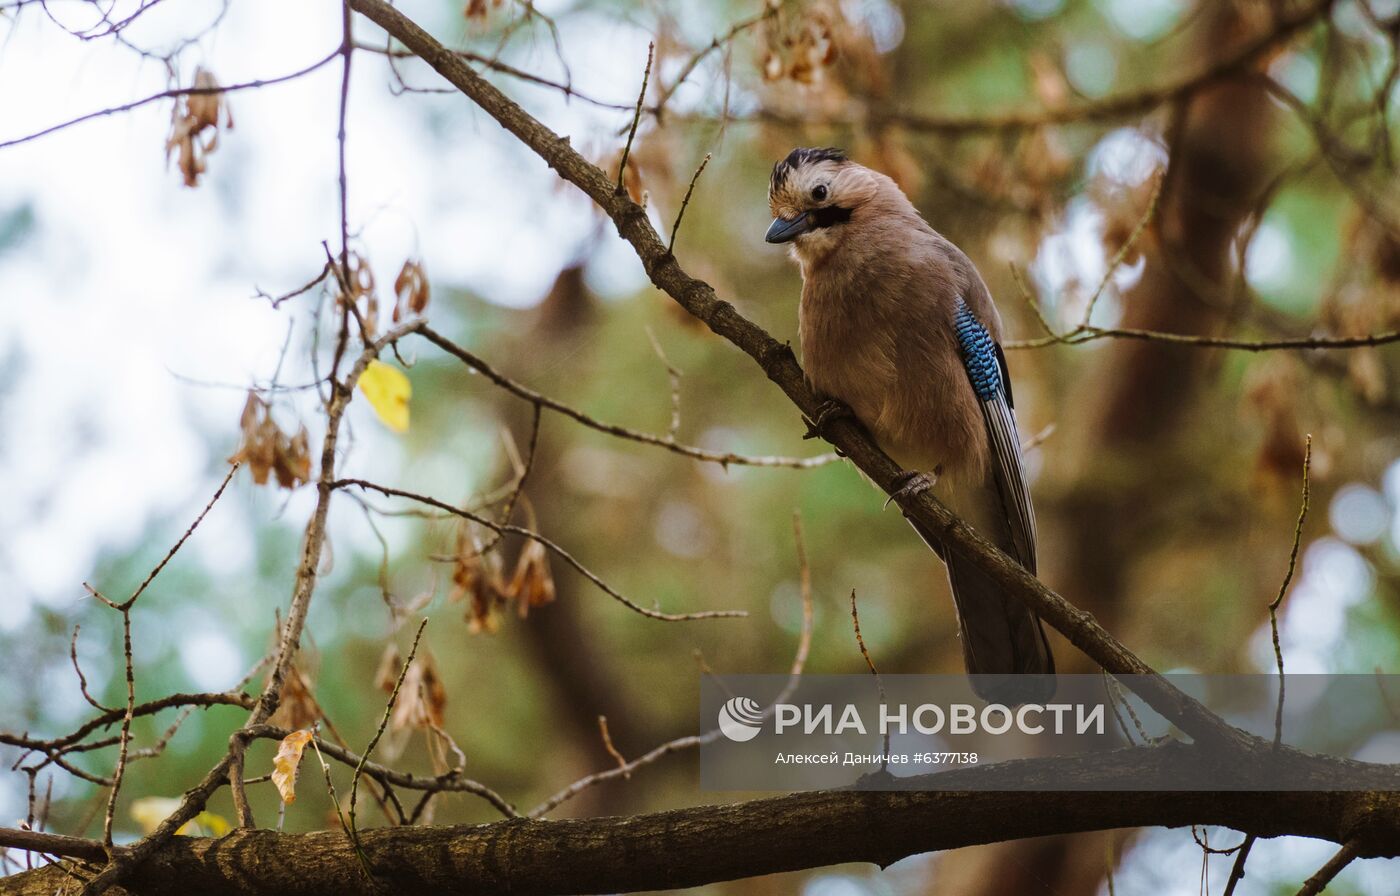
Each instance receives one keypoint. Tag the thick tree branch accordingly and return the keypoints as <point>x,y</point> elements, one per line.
<point>690,847</point>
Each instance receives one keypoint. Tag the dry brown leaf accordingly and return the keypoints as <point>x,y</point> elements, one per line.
<point>410,289</point>
<point>422,699</point>
<point>265,449</point>
<point>287,761</point>
<point>359,291</point>
<point>193,115</point>
<point>388,671</point>
<point>1048,81</point>
<point>297,707</point>
<point>1272,387</point>
<point>477,10</point>
<point>477,579</point>
<point>1367,373</point>
<point>531,585</point>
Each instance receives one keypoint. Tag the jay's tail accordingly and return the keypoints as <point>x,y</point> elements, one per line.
<point>1004,644</point>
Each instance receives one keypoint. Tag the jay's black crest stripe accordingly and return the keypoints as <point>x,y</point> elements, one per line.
<point>803,156</point>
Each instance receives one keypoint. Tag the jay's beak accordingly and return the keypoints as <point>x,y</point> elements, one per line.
<point>785,231</point>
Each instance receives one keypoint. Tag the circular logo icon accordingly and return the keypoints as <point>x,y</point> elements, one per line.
<point>740,719</point>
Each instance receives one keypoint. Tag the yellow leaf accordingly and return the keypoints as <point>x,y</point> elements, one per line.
<point>150,811</point>
<point>286,762</point>
<point>208,823</point>
<point>388,391</point>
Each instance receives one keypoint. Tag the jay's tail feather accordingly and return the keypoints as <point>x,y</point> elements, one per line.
<point>1004,645</point>
<point>1003,641</point>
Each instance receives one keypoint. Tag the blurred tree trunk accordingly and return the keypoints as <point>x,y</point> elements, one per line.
<point>581,679</point>
<point>1124,431</point>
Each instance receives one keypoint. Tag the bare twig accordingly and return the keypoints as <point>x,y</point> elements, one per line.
<point>722,458</point>
<point>383,723</point>
<point>769,10</point>
<point>82,679</point>
<point>1089,334</point>
<point>685,203</point>
<point>804,646</point>
<point>170,94</point>
<point>568,90</point>
<point>610,747</point>
<point>879,682</point>
<point>548,545</point>
<point>347,53</point>
<point>673,373</point>
<point>277,301</point>
<point>636,118</point>
<point>303,588</point>
<point>1283,589</point>
<point>451,782</point>
<point>124,607</point>
<point>1116,261</point>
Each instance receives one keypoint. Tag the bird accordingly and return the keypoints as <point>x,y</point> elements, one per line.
<point>898,329</point>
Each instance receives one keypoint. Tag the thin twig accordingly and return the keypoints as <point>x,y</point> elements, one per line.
<point>1116,261</point>
<point>770,9</point>
<point>680,214</point>
<point>277,301</point>
<point>610,747</point>
<point>870,663</point>
<point>170,94</point>
<point>347,52</point>
<point>548,545</point>
<point>124,741</point>
<point>1283,589</point>
<point>82,679</point>
<point>218,493</point>
<point>568,90</point>
<point>674,374</point>
<point>804,646</point>
<point>636,118</point>
<point>1089,334</point>
<point>383,723</point>
<point>723,458</point>
<point>451,782</point>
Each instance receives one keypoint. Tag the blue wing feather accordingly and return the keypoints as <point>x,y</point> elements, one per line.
<point>986,371</point>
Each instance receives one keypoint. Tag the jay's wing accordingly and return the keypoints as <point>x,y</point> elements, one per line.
<point>986,371</point>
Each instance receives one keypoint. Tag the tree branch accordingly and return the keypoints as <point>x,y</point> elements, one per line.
<point>691,847</point>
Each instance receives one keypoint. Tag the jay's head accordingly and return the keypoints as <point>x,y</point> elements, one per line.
<point>813,194</point>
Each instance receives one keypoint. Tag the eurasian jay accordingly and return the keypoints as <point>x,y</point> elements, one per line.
<point>897,326</point>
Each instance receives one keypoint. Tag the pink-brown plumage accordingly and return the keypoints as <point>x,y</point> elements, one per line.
<point>880,293</point>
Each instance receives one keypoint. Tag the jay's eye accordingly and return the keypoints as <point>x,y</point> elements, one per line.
<point>819,192</point>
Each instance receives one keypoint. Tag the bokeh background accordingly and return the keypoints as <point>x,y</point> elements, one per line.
<point>1167,479</point>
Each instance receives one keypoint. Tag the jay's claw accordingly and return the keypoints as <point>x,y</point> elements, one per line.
<point>827,411</point>
<point>911,484</point>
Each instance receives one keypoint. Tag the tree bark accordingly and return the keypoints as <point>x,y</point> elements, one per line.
<point>691,847</point>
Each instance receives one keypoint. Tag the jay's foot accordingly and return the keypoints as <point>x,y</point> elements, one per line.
<point>827,411</point>
<point>911,484</point>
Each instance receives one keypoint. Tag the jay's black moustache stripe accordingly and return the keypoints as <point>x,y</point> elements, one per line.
<point>828,216</point>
